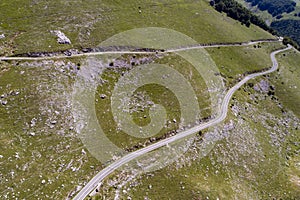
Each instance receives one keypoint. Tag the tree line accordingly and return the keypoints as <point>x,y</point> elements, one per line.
<point>274,7</point>
<point>287,28</point>
<point>290,29</point>
<point>238,12</point>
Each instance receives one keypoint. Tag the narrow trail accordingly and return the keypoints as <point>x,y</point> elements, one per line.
<point>198,46</point>
<point>92,184</point>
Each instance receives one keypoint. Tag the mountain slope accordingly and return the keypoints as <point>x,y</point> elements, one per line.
<point>41,154</point>
<point>89,24</point>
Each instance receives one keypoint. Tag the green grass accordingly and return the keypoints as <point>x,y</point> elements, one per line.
<point>44,156</point>
<point>294,171</point>
<point>88,24</point>
<point>260,171</point>
<point>241,177</point>
<point>235,61</point>
<point>190,182</point>
<point>156,93</point>
<point>27,25</point>
<point>287,81</point>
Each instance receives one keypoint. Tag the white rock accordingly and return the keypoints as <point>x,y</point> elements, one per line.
<point>33,122</point>
<point>83,151</point>
<point>61,37</point>
<point>78,187</point>
<point>2,36</point>
<point>32,134</point>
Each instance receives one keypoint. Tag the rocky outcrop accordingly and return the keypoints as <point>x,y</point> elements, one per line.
<point>61,37</point>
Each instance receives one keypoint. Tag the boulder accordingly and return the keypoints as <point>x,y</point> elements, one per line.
<point>61,37</point>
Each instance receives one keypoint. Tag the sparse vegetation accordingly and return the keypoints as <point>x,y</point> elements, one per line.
<point>249,142</point>
<point>41,155</point>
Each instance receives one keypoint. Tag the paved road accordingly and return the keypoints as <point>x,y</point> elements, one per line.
<point>92,184</point>
<point>199,46</point>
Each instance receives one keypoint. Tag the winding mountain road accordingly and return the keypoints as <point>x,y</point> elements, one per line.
<point>92,184</point>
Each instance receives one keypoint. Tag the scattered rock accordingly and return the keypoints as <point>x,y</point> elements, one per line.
<point>229,126</point>
<point>33,122</point>
<point>2,36</point>
<point>235,109</point>
<point>262,86</point>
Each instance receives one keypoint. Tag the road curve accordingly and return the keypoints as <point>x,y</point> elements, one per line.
<point>92,184</point>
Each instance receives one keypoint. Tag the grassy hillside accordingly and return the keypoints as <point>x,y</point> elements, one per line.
<point>27,24</point>
<point>41,155</point>
<point>256,149</point>
<point>288,81</point>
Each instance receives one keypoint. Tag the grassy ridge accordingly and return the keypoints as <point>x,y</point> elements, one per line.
<point>89,24</point>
